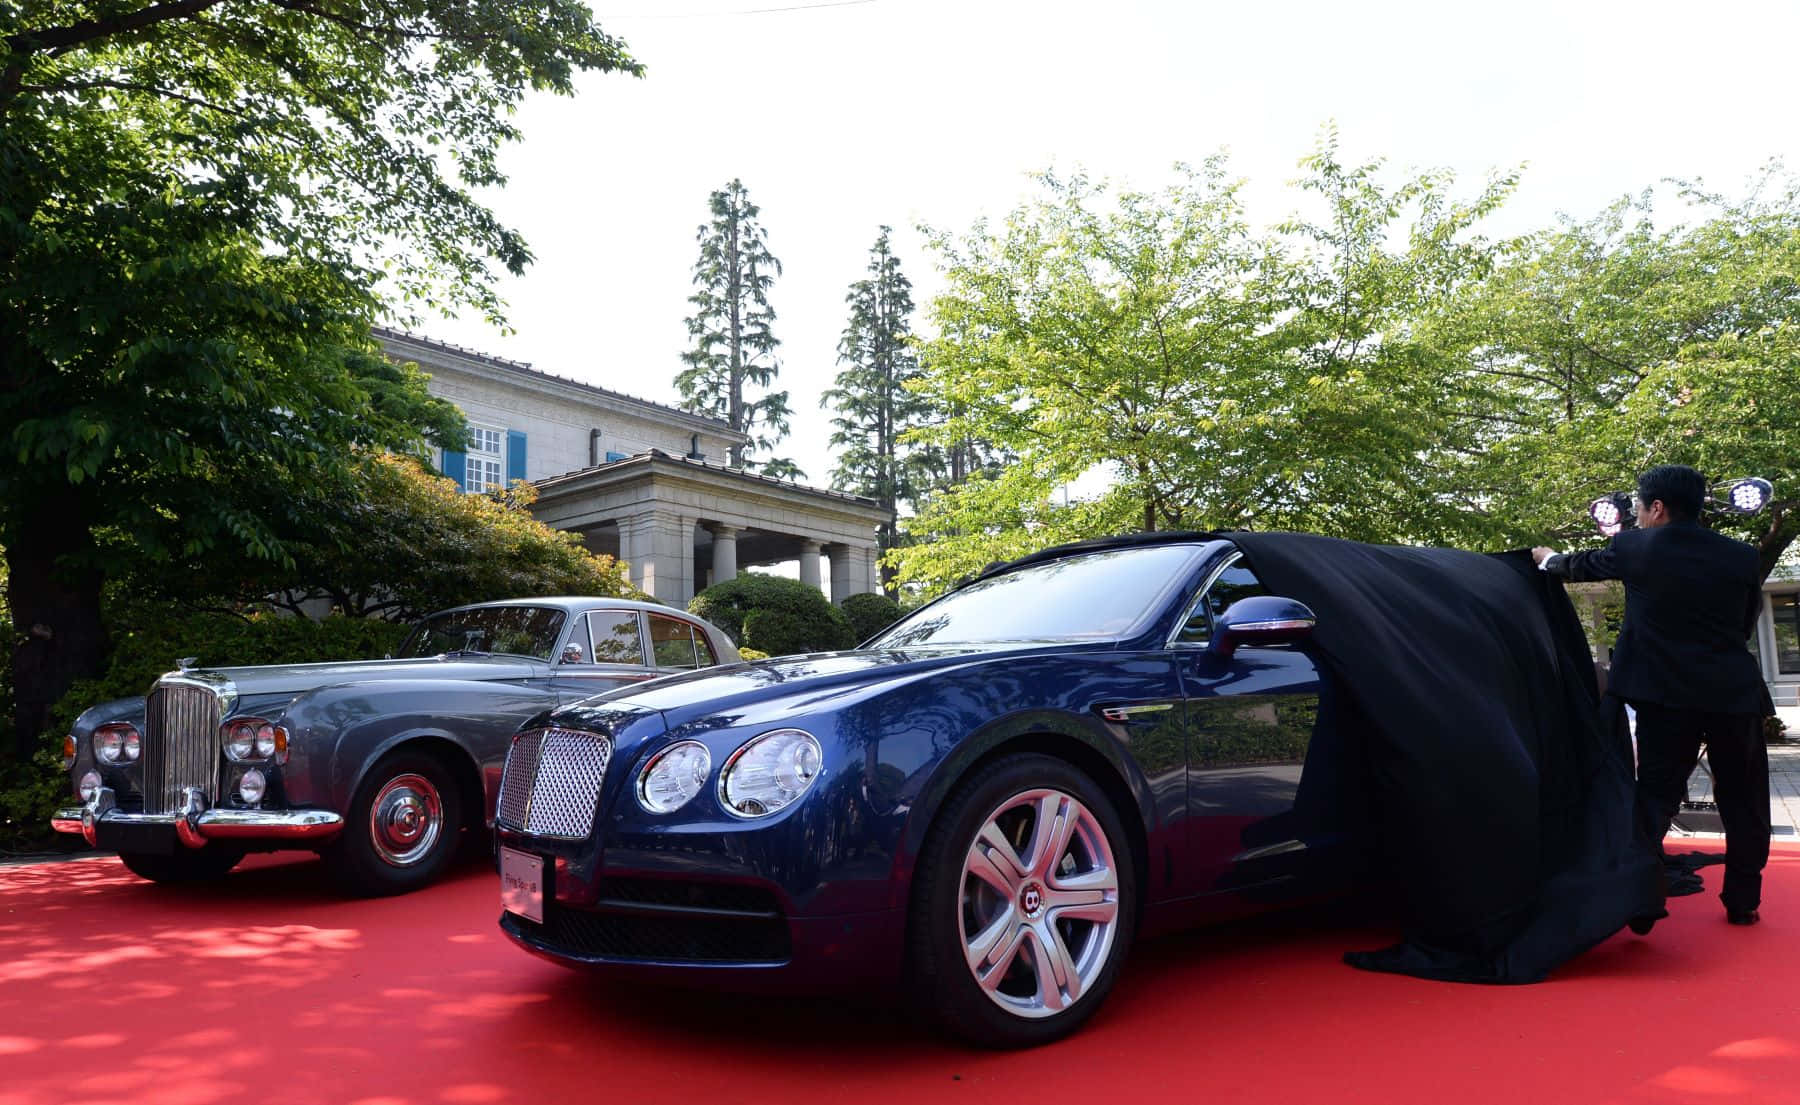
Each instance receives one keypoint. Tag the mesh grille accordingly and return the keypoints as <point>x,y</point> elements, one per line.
<point>181,744</point>
<point>551,784</point>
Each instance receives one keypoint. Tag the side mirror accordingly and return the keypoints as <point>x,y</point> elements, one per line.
<point>1259,621</point>
<point>572,654</point>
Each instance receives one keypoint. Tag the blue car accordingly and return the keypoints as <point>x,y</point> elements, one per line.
<point>984,804</point>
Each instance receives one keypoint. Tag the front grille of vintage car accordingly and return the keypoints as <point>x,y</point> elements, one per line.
<point>666,921</point>
<point>551,783</point>
<point>181,744</point>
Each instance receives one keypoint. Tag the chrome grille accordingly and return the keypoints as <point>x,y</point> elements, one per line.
<point>551,785</point>
<point>181,744</point>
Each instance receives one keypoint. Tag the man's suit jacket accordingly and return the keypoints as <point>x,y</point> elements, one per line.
<point>1692,598</point>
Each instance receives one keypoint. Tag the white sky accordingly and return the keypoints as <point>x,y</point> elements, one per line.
<point>900,111</point>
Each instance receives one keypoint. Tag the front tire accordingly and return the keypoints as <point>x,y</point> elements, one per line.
<point>403,829</point>
<point>201,865</point>
<point>1024,904</point>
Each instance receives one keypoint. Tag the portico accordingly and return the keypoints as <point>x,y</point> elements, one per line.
<point>683,524</point>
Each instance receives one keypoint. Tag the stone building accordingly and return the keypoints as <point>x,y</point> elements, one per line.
<point>639,480</point>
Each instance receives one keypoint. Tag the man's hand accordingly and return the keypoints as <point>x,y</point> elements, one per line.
<point>1541,554</point>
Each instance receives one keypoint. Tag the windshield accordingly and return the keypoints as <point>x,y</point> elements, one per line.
<point>514,630</point>
<point>1094,596</point>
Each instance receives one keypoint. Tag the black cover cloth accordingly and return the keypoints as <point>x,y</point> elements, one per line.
<point>1502,787</point>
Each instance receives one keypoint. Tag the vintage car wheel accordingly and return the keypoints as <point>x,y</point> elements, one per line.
<point>210,862</point>
<point>1024,904</point>
<point>403,828</point>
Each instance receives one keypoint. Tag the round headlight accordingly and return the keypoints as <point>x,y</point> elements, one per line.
<point>673,776</point>
<point>109,744</point>
<point>133,746</point>
<point>90,784</point>
<point>265,741</point>
<point>770,772</point>
<point>252,786</point>
<point>240,739</point>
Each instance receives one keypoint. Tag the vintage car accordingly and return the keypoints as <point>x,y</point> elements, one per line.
<point>995,791</point>
<point>382,766</point>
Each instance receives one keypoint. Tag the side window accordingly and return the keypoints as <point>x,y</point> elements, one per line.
<point>1234,583</point>
<point>705,649</point>
<point>672,643</point>
<point>615,637</point>
<point>578,636</point>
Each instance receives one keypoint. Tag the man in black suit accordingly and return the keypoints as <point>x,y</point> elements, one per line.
<point>1691,602</point>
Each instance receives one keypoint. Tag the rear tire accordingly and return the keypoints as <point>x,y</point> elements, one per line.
<point>403,830</point>
<point>199,865</point>
<point>1024,904</point>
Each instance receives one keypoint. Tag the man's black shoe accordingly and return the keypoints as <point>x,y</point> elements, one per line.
<point>1742,916</point>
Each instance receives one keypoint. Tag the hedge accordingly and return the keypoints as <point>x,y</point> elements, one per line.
<point>792,615</point>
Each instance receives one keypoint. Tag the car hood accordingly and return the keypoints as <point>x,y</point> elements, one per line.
<point>294,678</point>
<point>809,681</point>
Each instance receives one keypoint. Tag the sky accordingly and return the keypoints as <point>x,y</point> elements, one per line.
<point>841,119</point>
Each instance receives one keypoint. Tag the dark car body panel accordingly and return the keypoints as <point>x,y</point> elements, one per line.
<point>1203,756</point>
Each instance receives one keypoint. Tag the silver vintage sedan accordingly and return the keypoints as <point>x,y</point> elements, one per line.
<point>379,765</point>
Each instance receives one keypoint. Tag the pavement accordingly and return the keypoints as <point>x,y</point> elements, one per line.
<point>1699,819</point>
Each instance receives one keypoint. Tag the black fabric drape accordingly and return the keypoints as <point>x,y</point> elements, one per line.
<point>1502,788</point>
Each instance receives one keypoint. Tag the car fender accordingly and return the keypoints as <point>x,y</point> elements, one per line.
<point>337,733</point>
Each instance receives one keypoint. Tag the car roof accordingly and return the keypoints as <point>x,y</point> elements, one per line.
<point>1097,544</point>
<point>574,603</point>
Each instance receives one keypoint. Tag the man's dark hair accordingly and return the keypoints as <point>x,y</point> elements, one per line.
<point>1681,489</point>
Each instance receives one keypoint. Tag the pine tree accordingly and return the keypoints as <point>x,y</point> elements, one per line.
<point>734,343</point>
<point>873,406</point>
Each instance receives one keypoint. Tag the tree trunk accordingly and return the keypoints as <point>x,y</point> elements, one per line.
<point>55,608</point>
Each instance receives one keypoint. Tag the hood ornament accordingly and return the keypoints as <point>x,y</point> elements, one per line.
<point>188,663</point>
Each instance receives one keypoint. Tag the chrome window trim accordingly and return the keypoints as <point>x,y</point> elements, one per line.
<point>1212,577</point>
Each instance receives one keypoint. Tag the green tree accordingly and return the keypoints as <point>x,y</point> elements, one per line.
<point>1201,375</point>
<point>875,408</point>
<point>733,332</point>
<point>203,206</point>
<point>1604,346</point>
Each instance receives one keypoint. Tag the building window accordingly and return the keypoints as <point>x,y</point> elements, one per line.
<point>487,460</point>
<point>1786,609</point>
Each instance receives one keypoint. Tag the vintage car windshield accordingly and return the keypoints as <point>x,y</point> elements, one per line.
<point>513,630</point>
<point>1092,596</point>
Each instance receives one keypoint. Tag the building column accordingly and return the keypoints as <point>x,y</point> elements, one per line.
<point>659,545</point>
<point>839,555</point>
<point>863,577</point>
<point>809,563</point>
<point>724,565</point>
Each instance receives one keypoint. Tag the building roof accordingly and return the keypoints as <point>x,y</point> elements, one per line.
<point>652,455</point>
<point>522,368</point>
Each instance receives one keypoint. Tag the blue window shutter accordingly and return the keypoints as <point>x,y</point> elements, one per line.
<point>515,455</point>
<point>456,466</point>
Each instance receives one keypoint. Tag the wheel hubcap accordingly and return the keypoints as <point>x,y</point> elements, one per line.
<point>405,820</point>
<point>1039,904</point>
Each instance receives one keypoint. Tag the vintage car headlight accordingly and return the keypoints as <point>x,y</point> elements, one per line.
<point>770,772</point>
<point>673,776</point>
<point>116,744</point>
<point>252,785</point>
<point>250,738</point>
<point>90,783</point>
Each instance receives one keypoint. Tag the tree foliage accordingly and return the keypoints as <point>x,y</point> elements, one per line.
<point>872,397</point>
<point>203,206</point>
<point>732,328</point>
<point>1202,374</point>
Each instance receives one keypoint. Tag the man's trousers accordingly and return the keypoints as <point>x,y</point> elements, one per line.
<point>1668,742</point>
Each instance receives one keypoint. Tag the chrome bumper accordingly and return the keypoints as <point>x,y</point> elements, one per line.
<point>195,824</point>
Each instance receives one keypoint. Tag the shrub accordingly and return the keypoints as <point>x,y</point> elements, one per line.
<point>870,614</point>
<point>752,654</point>
<point>815,624</point>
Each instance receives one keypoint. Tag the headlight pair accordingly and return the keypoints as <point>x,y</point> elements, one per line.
<point>766,774</point>
<point>119,743</point>
<point>252,738</point>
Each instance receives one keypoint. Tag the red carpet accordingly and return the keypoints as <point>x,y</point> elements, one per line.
<point>267,988</point>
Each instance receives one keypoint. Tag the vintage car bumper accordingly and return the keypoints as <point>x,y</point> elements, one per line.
<point>195,825</point>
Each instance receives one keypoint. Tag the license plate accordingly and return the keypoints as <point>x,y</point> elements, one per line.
<point>522,884</point>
